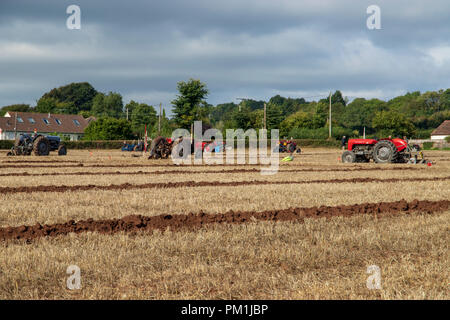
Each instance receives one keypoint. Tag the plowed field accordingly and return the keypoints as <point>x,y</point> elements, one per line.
<point>149,229</point>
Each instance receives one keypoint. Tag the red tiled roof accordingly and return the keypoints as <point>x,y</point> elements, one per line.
<point>43,122</point>
<point>443,129</point>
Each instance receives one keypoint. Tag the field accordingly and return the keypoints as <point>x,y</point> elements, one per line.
<point>149,229</point>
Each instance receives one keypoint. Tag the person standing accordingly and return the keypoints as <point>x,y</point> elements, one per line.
<point>343,142</point>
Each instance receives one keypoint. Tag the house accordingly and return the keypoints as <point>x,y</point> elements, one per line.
<point>67,125</point>
<point>441,132</point>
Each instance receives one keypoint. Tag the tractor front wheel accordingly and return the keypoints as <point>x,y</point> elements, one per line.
<point>62,151</point>
<point>348,157</point>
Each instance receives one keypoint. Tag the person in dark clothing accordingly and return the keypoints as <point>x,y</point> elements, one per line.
<point>343,142</point>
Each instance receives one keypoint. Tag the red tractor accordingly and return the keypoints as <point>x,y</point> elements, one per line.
<point>289,146</point>
<point>161,147</point>
<point>381,151</point>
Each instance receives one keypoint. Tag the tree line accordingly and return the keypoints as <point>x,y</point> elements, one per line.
<point>413,115</point>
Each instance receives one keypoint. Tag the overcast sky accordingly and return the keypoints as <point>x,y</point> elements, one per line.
<point>240,48</point>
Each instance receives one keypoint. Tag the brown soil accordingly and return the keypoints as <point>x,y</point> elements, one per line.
<point>88,173</point>
<point>40,161</point>
<point>162,185</point>
<point>154,165</point>
<point>133,223</point>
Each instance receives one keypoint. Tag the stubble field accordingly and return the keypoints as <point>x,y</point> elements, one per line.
<point>149,229</point>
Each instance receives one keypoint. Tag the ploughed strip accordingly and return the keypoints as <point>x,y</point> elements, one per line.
<point>176,222</point>
<point>185,184</point>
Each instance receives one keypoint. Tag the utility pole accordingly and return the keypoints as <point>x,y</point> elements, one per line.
<point>265,119</point>
<point>15,128</point>
<point>329,129</point>
<point>127,114</point>
<point>159,122</point>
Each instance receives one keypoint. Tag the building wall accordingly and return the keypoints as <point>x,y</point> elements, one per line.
<point>438,137</point>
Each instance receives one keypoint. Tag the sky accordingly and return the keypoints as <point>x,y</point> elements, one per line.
<point>239,48</point>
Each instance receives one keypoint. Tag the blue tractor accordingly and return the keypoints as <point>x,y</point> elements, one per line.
<point>38,145</point>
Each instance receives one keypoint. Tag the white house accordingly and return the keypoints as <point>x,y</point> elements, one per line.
<point>68,125</point>
<point>441,132</point>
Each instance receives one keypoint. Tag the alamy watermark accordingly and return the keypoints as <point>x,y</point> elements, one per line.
<point>374,280</point>
<point>74,20</point>
<point>374,20</point>
<point>235,145</point>
<point>74,280</point>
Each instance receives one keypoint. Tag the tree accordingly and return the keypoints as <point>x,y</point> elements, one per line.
<point>130,107</point>
<point>241,119</point>
<point>142,115</point>
<point>338,98</point>
<point>274,116</point>
<point>445,99</point>
<point>253,104</point>
<point>288,105</point>
<point>360,112</point>
<point>167,127</point>
<point>190,105</point>
<point>108,129</point>
<point>257,119</point>
<point>222,112</point>
<point>109,105</point>
<point>392,123</point>
<point>335,98</point>
<point>53,105</point>
<point>16,108</point>
<point>303,120</point>
<point>80,95</point>
<point>85,114</point>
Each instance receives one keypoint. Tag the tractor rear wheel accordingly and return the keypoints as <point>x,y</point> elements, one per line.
<point>62,151</point>
<point>160,148</point>
<point>348,157</point>
<point>291,148</point>
<point>41,146</point>
<point>385,151</point>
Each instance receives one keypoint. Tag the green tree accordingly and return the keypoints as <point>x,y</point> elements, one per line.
<point>359,114</point>
<point>302,120</point>
<point>53,105</point>
<point>109,105</point>
<point>257,119</point>
<point>80,95</point>
<point>190,105</point>
<point>167,127</point>
<point>445,99</point>
<point>392,123</point>
<point>222,112</point>
<point>288,105</point>
<point>336,97</point>
<point>241,119</point>
<point>85,114</point>
<point>108,129</point>
<point>274,116</point>
<point>130,107</point>
<point>16,108</point>
<point>142,115</point>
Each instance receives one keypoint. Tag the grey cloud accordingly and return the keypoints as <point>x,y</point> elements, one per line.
<point>253,48</point>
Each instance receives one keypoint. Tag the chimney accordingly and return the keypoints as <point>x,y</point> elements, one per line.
<point>49,115</point>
